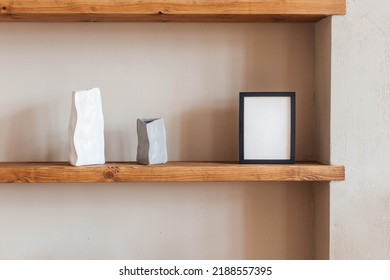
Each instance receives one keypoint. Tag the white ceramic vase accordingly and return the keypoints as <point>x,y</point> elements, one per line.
<point>152,147</point>
<point>86,128</point>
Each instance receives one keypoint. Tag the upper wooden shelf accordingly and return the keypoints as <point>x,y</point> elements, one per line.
<point>169,10</point>
<point>48,172</point>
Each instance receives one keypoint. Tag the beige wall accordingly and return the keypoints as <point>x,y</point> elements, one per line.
<point>360,132</point>
<point>190,74</point>
<point>323,46</point>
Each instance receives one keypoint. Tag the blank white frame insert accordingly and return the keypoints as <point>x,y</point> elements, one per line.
<point>267,127</point>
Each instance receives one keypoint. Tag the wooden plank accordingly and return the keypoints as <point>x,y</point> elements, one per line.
<point>169,10</point>
<point>61,172</point>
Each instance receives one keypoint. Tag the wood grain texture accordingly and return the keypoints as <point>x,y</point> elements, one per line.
<point>170,10</point>
<point>61,172</point>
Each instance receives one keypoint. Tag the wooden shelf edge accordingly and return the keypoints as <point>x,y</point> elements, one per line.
<point>62,172</point>
<point>170,10</point>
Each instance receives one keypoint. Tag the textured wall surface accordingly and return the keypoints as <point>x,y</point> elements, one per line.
<point>360,131</point>
<point>189,74</point>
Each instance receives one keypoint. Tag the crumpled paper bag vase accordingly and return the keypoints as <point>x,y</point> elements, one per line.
<point>86,128</point>
<point>152,147</point>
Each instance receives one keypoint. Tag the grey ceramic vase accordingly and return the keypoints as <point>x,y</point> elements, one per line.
<point>152,147</point>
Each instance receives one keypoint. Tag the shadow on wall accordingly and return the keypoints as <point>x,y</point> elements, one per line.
<point>118,144</point>
<point>32,134</point>
<point>278,221</point>
<point>286,64</point>
<point>210,134</point>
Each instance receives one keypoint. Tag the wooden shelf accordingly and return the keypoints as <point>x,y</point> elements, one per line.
<point>169,10</point>
<point>62,172</point>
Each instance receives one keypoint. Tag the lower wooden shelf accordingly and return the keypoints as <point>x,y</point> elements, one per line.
<point>62,172</point>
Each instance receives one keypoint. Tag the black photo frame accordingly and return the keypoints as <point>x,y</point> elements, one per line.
<point>267,127</point>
